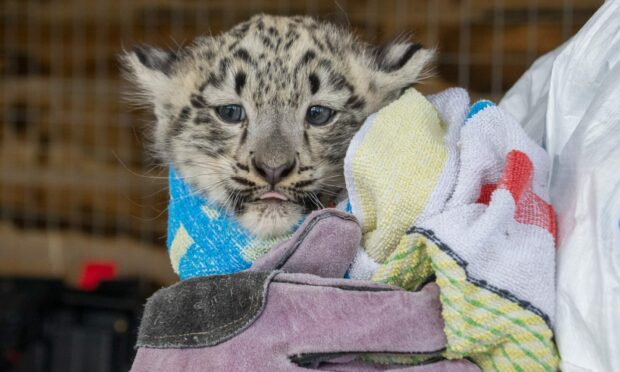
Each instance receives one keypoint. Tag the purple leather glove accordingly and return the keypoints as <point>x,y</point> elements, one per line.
<point>267,320</point>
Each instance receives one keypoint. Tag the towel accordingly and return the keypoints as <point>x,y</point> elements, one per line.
<point>204,239</point>
<point>392,170</point>
<point>469,210</point>
<point>402,166</point>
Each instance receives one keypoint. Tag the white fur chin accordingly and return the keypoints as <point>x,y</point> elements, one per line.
<point>270,220</point>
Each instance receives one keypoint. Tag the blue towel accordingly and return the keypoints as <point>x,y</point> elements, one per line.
<point>204,239</point>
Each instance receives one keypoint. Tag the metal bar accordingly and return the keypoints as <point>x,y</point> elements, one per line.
<point>497,64</point>
<point>464,44</point>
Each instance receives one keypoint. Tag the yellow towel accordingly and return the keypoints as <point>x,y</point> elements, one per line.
<point>388,188</point>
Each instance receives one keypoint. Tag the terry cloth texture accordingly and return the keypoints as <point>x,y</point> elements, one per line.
<point>387,187</point>
<point>401,166</point>
<point>488,240</point>
<point>305,323</point>
<point>203,239</point>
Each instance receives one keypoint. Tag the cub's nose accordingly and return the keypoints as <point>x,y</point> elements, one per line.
<point>273,175</point>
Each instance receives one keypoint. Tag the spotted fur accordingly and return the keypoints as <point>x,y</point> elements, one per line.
<point>275,67</point>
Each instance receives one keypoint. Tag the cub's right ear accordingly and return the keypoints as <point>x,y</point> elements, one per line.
<point>149,68</point>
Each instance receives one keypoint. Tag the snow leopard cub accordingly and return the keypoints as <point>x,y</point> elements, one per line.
<point>258,119</point>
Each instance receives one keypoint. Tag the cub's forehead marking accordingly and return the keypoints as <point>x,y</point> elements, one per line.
<point>239,82</point>
<point>305,59</point>
<point>315,83</point>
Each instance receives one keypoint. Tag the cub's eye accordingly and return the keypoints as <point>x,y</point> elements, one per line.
<point>231,113</point>
<point>319,115</point>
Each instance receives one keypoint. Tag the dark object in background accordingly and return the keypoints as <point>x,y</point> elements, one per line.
<point>48,327</point>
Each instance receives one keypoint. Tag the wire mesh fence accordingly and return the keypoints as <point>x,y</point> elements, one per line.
<point>72,152</point>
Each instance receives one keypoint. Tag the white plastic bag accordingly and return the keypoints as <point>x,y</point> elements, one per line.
<point>569,101</point>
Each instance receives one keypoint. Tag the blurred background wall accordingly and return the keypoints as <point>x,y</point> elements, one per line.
<point>76,182</point>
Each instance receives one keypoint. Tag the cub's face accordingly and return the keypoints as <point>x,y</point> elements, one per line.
<point>258,119</point>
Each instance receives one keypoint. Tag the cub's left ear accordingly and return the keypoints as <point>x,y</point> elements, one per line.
<point>400,65</point>
<point>149,68</point>
<point>155,58</point>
